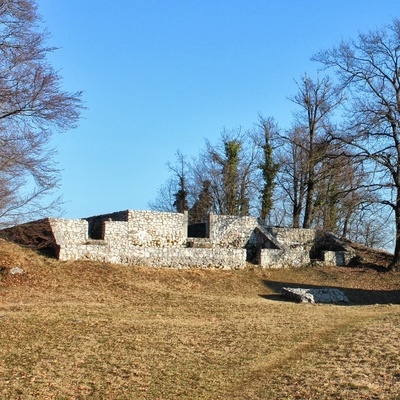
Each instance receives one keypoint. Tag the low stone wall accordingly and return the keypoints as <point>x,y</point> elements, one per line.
<point>161,239</point>
<point>281,258</point>
<point>96,223</point>
<point>294,238</point>
<point>69,231</point>
<point>173,257</point>
<point>230,231</point>
<point>159,229</point>
<point>138,228</point>
<point>339,258</point>
<point>143,238</point>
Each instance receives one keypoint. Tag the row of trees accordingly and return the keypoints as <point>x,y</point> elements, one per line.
<point>336,168</point>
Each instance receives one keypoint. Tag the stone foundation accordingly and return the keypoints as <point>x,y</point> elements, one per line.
<point>160,239</point>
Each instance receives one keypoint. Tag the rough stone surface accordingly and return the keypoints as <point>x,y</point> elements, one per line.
<point>321,295</point>
<point>159,239</point>
<point>16,271</point>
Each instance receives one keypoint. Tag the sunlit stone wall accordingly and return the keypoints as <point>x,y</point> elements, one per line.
<point>159,239</point>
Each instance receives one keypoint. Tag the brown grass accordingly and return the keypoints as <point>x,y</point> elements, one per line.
<point>86,330</point>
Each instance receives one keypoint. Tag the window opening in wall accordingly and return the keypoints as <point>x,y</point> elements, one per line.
<point>96,228</point>
<point>199,225</point>
<point>96,223</point>
<point>198,230</point>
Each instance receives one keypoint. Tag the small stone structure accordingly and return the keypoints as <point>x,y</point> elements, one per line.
<point>161,239</point>
<point>320,295</point>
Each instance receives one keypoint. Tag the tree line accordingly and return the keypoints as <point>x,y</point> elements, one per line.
<point>337,168</point>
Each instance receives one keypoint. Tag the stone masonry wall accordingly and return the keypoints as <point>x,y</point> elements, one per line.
<point>231,231</point>
<point>69,231</point>
<point>159,229</point>
<point>271,258</point>
<point>295,248</point>
<point>160,239</point>
<point>149,238</point>
<point>294,238</point>
<point>172,257</point>
<point>96,223</point>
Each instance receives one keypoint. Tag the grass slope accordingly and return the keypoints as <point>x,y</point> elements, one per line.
<point>84,330</point>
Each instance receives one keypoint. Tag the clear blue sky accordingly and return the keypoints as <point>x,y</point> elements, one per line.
<point>159,76</point>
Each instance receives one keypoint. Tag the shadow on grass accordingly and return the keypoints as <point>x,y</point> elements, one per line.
<point>381,268</point>
<point>355,296</point>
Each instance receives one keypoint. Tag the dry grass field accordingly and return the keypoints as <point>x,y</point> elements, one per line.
<point>84,330</point>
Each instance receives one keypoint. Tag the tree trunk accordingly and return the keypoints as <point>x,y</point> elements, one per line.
<point>345,226</point>
<point>308,211</point>
<point>296,216</point>
<point>395,264</point>
<point>309,204</point>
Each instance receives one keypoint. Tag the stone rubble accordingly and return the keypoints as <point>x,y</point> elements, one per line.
<point>322,295</point>
<point>16,271</point>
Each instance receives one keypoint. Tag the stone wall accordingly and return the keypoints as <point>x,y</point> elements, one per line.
<point>231,231</point>
<point>160,229</point>
<point>271,258</point>
<point>340,258</point>
<point>294,238</point>
<point>96,223</point>
<point>69,231</point>
<point>172,257</point>
<point>161,239</point>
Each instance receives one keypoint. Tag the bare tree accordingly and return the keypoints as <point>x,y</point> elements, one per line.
<point>180,171</point>
<point>339,191</point>
<point>317,101</point>
<point>369,69</point>
<point>370,225</point>
<point>32,105</point>
<point>165,198</point>
<point>173,195</point>
<point>292,175</point>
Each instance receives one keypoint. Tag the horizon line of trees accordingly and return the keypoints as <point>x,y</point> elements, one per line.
<point>265,172</point>
<point>337,168</point>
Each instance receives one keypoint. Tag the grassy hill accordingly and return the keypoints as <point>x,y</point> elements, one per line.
<point>85,330</point>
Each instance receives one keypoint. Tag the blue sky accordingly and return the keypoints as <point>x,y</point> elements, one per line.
<point>159,76</point>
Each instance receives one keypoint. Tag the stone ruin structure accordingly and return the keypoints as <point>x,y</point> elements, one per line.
<point>163,239</point>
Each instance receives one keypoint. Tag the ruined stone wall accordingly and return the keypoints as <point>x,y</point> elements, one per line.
<point>280,258</point>
<point>293,238</point>
<point>146,238</point>
<point>138,228</point>
<point>231,231</point>
<point>294,251</point>
<point>161,239</point>
<point>159,229</point>
<point>96,223</point>
<point>172,257</point>
<point>69,231</point>
<point>340,258</point>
